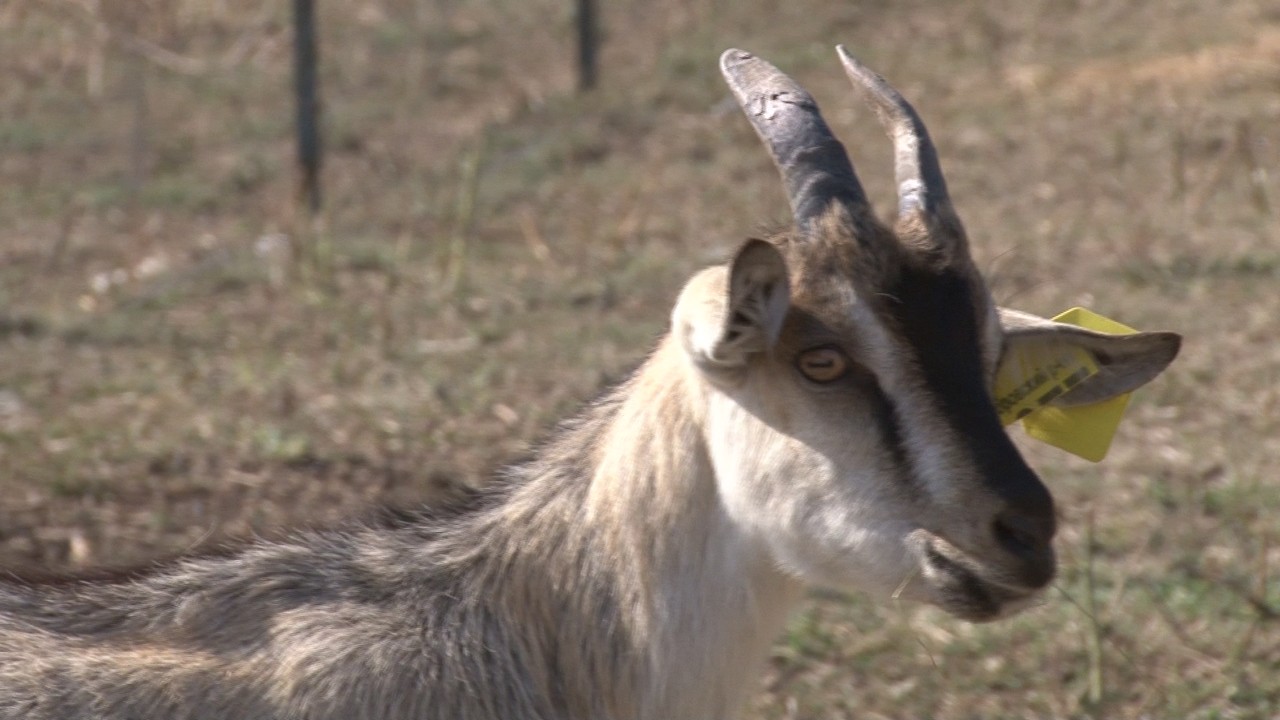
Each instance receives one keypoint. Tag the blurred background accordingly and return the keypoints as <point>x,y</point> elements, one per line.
<point>188,352</point>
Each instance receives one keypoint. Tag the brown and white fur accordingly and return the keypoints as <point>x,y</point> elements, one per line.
<point>819,415</point>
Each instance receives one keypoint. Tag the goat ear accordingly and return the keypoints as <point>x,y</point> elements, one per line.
<point>1125,362</point>
<point>727,314</point>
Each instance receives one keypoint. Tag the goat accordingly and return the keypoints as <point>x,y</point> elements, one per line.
<point>818,415</point>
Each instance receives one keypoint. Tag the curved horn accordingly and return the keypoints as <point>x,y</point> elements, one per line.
<point>812,162</point>
<point>921,187</point>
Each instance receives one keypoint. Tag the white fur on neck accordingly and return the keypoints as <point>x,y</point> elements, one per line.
<point>713,598</point>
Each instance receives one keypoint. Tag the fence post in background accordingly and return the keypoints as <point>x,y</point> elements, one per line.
<point>140,132</point>
<point>308,102</point>
<point>588,44</point>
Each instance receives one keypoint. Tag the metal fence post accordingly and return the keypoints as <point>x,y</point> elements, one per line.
<point>588,44</point>
<point>308,102</point>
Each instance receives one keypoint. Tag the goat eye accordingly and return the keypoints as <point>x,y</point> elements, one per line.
<point>823,365</point>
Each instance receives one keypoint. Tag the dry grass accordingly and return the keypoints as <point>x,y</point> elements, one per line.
<point>182,354</point>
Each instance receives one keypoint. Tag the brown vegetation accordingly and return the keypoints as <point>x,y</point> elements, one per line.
<point>182,355</point>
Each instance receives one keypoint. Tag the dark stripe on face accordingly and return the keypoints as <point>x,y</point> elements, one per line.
<point>934,311</point>
<point>886,418</point>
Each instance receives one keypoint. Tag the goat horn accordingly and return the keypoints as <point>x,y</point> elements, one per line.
<point>813,164</point>
<point>921,187</point>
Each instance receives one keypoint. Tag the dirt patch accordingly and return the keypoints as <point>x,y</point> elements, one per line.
<point>1248,62</point>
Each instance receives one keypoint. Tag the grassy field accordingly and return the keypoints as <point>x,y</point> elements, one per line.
<point>183,354</point>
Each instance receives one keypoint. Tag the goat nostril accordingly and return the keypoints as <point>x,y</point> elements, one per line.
<point>1021,535</point>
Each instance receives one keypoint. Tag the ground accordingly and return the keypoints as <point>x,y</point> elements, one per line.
<point>185,354</point>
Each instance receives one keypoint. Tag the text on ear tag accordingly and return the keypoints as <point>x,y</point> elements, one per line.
<point>1029,381</point>
<point>1032,376</point>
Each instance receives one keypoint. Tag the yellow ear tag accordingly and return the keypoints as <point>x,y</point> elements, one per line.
<point>1031,378</point>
